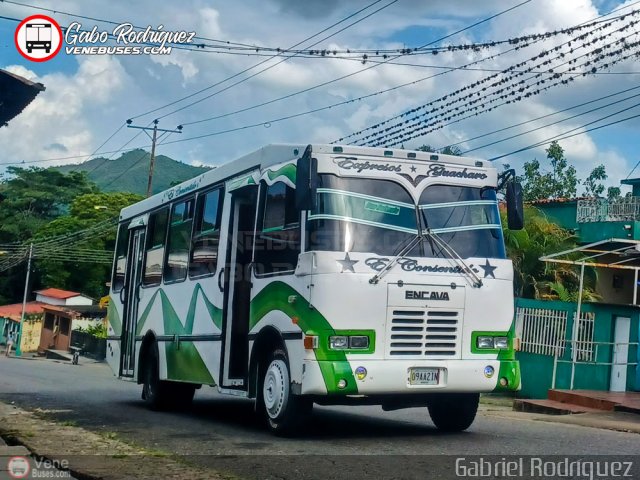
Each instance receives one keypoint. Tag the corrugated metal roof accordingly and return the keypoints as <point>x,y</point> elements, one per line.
<point>16,93</point>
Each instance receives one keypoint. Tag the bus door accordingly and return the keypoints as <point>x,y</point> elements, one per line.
<point>130,296</point>
<point>237,286</point>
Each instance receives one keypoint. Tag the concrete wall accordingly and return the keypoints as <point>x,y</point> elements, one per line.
<point>611,294</point>
<point>537,370</point>
<point>31,330</point>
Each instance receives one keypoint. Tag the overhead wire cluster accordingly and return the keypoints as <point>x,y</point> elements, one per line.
<point>516,93</point>
<point>503,83</point>
<point>64,248</point>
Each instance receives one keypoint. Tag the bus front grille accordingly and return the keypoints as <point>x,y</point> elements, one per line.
<point>423,333</point>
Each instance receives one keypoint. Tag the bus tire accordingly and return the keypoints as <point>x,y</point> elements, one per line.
<point>161,394</point>
<point>284,412</point>
<point>454,412</point>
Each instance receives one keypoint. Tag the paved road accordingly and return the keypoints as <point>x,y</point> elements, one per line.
<point>221,432</point>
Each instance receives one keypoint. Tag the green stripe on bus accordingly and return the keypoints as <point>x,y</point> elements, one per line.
<point>288,171</point>
<point>184,361</point>
<point>114,318</point>
<point>333,364</point>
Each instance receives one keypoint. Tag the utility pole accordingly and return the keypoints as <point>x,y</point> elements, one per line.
<point>24,302</point>
<point>154,139</point>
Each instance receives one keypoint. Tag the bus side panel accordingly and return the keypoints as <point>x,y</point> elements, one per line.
<point>186,322</point>
<point>276,302</point>
<point>114,330</point>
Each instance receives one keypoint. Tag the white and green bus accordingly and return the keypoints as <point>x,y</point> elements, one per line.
<point>335,275</point>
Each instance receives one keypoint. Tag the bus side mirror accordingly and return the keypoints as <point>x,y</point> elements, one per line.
<point>515,206</point>
<point>306,182</point>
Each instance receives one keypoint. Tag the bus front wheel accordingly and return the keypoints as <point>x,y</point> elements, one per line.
<point>284,412</point>
<point>162,394</point>
<point>454,412</point>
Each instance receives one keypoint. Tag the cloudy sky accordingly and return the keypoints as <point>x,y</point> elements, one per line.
<point>88,97</point>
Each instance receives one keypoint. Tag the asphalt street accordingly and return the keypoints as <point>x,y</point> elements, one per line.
<point>341,442</point>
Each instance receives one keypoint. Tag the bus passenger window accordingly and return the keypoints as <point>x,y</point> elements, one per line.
<point>120,265</point>
<point>206,236</point>
<point>154,253</point>
<point>179,240</point>
<point>278,243</point>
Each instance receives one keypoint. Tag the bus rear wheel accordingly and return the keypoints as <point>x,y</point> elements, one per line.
<point>454,412</point>
<point>284,412</point>
<point>162,394</point>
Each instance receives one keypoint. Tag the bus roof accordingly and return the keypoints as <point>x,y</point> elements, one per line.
<point>279,153</point>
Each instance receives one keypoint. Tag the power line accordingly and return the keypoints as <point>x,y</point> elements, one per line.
<point>379,124</point>
<point>251,67</point>
<point>242,80</point>
<point>400,129</point>
<point>563,120</point>
<point>329,82</point>
<point>538,118</point>
<point>564,137</point>
<point>516,93</point>
<point>475,97</point>
<point>268,122</point>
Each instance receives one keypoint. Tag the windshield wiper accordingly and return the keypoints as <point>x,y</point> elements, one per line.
<point>464,267</point>
<point>413,243</point>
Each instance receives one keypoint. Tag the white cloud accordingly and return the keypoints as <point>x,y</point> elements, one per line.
<point>82,106</point>
<point>58,115</point>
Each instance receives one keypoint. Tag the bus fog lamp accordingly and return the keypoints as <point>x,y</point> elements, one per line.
<point>342,384</point>
<point>488,371</point>
<point>359,341</point>
<point>504,382</point>
<point>501,343</point>
<point>485,342</point>
<point>361,373</point>
<point>338,342</point>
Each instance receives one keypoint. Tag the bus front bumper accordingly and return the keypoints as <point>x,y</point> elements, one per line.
<point>376,377</point>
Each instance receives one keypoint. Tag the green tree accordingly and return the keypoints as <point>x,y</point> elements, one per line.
<point>613,193</point>
<point>29,199</point>
<point>84,212</point>
<point>560,182</point>
<point>536,279</point>
<point>593,186</point>
<point>35,196</point>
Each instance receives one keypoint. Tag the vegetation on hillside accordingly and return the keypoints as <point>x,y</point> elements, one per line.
<point>109,177</point>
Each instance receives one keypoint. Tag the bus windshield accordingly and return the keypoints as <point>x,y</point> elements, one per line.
<point>379,216</point>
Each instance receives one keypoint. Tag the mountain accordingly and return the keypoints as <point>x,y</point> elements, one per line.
<point>130,171</point>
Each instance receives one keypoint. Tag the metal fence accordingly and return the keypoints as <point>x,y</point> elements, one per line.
<point>602,210</point>
<point>583,335</point>
<point>542,330</point>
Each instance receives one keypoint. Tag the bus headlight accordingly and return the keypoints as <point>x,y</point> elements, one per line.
<point>501,343</point>
<point>338,342</point>
<point>485,342</point>
<point>359,342</point>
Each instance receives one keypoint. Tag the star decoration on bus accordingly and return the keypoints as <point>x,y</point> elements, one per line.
<point>488,269</point>
<point>413,169</point>
<point>347,264</point>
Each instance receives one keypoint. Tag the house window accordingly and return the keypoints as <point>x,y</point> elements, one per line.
<point>154,254</point>
<point>178,243</point>
<point>206,235</point>
<point>278,243</point>
<point>120,265</point>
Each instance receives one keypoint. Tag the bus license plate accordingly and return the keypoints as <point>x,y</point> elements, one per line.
<point>424,376</point>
